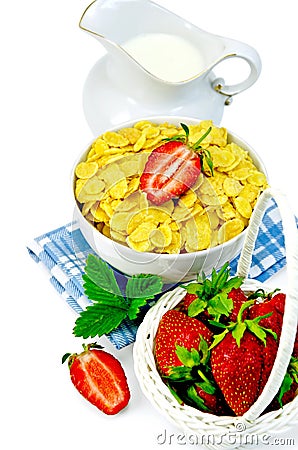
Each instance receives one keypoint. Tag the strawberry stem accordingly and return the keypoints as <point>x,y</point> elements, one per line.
<point>197,145</point>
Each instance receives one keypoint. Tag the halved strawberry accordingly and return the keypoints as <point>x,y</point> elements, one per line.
<point>173,168</point>
<point>100,378</point>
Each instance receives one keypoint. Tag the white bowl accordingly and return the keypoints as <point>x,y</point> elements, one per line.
<point>171,267</point>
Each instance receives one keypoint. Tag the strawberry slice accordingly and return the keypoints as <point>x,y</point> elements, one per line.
<point>100,378</point>
<point>173,168</point>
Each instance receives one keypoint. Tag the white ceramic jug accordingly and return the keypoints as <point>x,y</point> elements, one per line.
<point>140,76</point>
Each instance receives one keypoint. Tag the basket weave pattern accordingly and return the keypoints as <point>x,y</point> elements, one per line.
<point>192,420</point>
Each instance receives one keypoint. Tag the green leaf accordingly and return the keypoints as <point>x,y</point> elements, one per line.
<point>139,289</point>
<point>186,130</point>
<point>65,357</point>
<point>96,293</point>
<point>143,286</point>
<point>175,395</point>
<point>217,324</point>
<point>257,330</point>
<point>203,348</point>
<point>238,332</point>
<point>180,374</point>
<point>99,319</point>
<point>196,145</point>
<point>220,304</point>
<point>196,307</point>
<point>222,276</point>
<point>285,387</point>
<point>234,282</point>
<point>188,358</point>
<point>218,338</point>
<point>101,274</point>
<point>134,307</point>
<point>196,399</point>
<point>192,288</point>
<point>207,387</point>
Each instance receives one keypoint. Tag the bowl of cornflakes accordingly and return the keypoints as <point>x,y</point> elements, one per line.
<point>133,220</point>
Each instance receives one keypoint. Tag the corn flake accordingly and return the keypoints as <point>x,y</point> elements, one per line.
<point>86,169</point>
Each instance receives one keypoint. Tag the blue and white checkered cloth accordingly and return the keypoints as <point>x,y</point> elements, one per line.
<point>63,252</point>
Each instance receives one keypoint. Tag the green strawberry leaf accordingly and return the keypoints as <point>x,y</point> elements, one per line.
<point>285,387</point>
<point>139,289</point>
<point>174,393</point>
<point>221,277</point>
<point>95,292</point>
<point>100,318</point>
<point>192,288</point>
<point>203,348</point>
<point>234,282</point>
<point>220,304</point>
<point>238,332</point>
<point>180,374</point>
<point>143,286</point>
<point>196,399</point>
<point>196,307</point>
<point>207,387</point>
<point>218,338</point>
<point>186,130</point>
<point>101,274</point>
<point>196,145</point>
<point>257,330</point>
<point>65,357</point>
<point>188,358</point>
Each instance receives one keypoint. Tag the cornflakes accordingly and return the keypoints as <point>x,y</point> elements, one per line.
<point>214,210</point>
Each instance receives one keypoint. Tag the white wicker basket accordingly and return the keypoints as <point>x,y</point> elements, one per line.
<point>214,428</point>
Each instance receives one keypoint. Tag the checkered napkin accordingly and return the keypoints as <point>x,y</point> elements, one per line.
<point>63,252</point>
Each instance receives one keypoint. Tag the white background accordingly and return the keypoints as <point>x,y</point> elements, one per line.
<point>45,59</point>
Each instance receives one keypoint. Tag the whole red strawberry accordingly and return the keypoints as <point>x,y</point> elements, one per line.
<point>176,328</point>
<point>239,298</point>
<point>182,355</point>
<point>242,358</point>
<point>274,306</point>
<point>237,370</point>
<point>173,168</point>
<point>100,378</point>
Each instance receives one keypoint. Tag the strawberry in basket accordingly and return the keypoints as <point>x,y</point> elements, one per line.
<point>173,168</point>
<point>181,352</point>
<point>242,358</point>
<point>218,298</point>
<point>219,360</point>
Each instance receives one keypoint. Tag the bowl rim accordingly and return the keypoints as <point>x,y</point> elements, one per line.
<point>161,119</point>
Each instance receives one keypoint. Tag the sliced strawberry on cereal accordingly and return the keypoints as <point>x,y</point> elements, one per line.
<point>173,168</point>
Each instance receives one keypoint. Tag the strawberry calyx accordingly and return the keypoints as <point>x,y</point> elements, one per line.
<point>204,154</point>
<point>213,293</point>
<point>193,363</point>
<point>260,293</point>
<point>240,326</point>
<point>290,378</point>
<point>86,347</point>
<point>186,381</point>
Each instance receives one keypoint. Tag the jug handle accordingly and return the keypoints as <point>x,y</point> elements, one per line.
<point>236,49</point>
